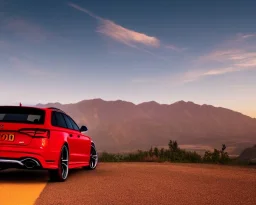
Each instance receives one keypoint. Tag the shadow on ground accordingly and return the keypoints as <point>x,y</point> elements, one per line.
<point>23,176</point>
<point>29,176</point>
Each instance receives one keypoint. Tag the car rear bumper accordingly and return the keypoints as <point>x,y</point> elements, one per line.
<point>28,163</point>
<point>26,158</point>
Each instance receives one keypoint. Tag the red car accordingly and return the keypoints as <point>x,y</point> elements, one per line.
<point>44,138</point>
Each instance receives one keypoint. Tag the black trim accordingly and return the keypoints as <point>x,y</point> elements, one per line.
<point>54,108</point>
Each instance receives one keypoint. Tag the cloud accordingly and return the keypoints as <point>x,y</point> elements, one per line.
<point>175,48</point>
<point>27,67</point>
<point>231,57</point>
<point>128,37</point>
<point>226,60</point>
<point>241,36</point>
<point>26,29</point>
<point>119,33</point>
<point>248,36</point>
<point>85,11</point>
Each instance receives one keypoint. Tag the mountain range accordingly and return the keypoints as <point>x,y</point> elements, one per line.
<point>120,126</point>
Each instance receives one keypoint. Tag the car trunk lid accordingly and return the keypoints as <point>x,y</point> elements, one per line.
<point>19,125</point>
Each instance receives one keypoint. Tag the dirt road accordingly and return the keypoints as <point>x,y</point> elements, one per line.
<point>152,183</point>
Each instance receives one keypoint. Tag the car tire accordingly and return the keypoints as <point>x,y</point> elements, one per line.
<point>93,158</point>
<point>61,173</point>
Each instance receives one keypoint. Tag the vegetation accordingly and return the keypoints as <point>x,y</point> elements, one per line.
<point>172,154</point>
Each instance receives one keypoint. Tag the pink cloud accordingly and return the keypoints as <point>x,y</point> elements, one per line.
<point>126,36</point>
<point>246,36</point>
<point>219,55</point>
<point>175,48</point>
<point>237,60</point>
<point>248,63</point>
<point>119,33</point>
<point>28,67</point>
<point>26,29</point>
<point>220,71</point>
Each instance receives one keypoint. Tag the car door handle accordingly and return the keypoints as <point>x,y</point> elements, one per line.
<point>78,136</point>
<point>70,135</point>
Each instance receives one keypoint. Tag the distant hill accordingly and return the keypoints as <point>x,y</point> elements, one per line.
<point>249,154</point>
<point>123,126</point>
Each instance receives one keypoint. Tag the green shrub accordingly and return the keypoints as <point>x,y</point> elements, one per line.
<point>173,154</point>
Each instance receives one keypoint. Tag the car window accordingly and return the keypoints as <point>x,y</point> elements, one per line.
<point>69,124</point>
<point>58,120</point>
<point>54,119</point>
<point>75,126</point>
<point>21,115</point>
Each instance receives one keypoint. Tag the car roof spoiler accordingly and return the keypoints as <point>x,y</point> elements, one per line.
<point>54,108</point>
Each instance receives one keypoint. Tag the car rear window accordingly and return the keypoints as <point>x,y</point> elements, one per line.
<point>22,115</point>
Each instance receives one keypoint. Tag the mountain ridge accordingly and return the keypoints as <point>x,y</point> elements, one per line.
<point>146,102</point>
<point>122,126</point>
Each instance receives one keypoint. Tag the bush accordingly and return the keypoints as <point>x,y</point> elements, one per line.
<point>217,157</point>
<point>173,154</point>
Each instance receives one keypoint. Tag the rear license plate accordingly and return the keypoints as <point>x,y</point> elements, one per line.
<point>7,137</point>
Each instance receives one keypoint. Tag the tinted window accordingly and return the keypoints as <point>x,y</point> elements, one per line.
<point>68,122</point>
<point>54,119</point>
<point>21,115</point>
<point>58,120</point>
<point>75,127</point>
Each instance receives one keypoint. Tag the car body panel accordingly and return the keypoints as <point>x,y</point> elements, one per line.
<point>46,149</point>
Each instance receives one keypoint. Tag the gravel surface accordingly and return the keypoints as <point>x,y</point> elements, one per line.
<point>154,183</point>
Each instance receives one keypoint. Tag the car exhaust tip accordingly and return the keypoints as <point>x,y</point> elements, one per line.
<point>30,163</point>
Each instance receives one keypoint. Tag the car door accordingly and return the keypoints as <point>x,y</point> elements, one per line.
<point>84,143</point>
<point>72,141</point>
<point>75,139</point>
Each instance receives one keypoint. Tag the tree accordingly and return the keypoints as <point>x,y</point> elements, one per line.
<point>151,152</point>
<point>170,144</point>
<point>223,147</point>
<point>207,156</point>
<point>224,157</point>
<point>156,152</point>
<point>173,146</point>
<point>162,153</point>
<point>216,156</point>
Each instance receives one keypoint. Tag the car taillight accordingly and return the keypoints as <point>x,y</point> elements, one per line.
<point>36,133</point>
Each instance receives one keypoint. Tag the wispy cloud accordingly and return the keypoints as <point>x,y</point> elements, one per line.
<point>27,67</point>
<point>245,36</point>
<point>120,33</point>
<point>128,37</point>
<point>242,36</point>
<point>231,58</point>
<point>175,48</point>
<point>195,75</point>
<point>227,60</point>
<point>26,29</point>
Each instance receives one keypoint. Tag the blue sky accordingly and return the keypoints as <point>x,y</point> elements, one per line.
<point>166,51</point>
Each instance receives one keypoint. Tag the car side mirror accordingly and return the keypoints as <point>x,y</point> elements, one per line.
<point>83,129</point>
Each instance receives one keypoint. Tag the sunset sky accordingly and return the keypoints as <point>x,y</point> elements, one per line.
<point>165,50</point>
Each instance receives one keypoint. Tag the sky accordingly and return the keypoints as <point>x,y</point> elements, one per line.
<point>137,51</point>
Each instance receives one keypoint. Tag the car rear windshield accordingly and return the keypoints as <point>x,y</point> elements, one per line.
<point>21,115</point>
